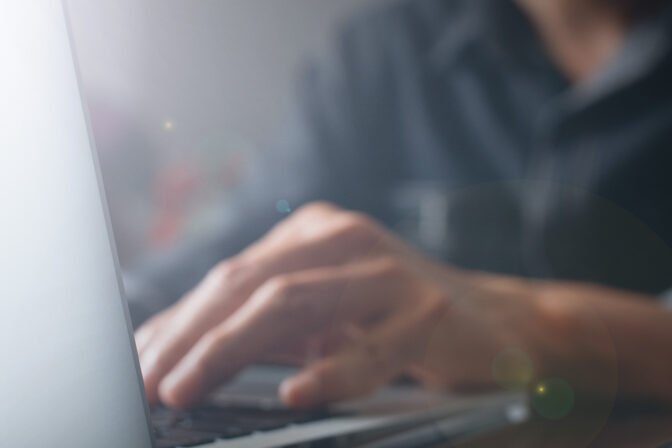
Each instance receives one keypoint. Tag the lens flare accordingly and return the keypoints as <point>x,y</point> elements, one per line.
<point>282,206</point>
<point>513,369</point>
<point>553,399</point>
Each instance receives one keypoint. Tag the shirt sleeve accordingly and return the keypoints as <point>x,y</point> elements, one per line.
<point>329,149</point>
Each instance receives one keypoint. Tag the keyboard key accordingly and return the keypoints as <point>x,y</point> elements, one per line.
<point>208,423</point>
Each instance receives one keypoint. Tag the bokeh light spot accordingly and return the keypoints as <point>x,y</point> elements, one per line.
<point>282,206</point>
<point>517,413</point>
<point>512,369</point>
<point>553,399</point>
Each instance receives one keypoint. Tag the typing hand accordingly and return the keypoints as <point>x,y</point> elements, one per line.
<point>328,275</point>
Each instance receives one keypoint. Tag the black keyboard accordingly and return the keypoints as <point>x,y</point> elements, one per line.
<point>209,423</point>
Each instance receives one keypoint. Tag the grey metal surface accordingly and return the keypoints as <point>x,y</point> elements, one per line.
<point>69,377</point>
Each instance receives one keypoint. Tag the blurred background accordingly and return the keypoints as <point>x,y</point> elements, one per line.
<point>183,94</point>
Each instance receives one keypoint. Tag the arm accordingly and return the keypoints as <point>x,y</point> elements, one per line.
<point>606,343</point>
<point>378,309</point>
<point>635,333</point>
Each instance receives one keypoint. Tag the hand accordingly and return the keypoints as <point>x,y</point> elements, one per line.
<point>375,309</point>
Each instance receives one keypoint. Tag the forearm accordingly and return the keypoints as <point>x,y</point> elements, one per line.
<point>605,332</point>
<point>604,342</point>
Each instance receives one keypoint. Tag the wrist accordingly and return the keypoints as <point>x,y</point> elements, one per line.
<point>578,348</point>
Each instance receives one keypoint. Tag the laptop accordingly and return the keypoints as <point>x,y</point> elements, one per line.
<point>69,372</point>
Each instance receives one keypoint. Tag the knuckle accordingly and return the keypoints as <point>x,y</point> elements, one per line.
<point>282,292</point>
<point>292,301</point>
<point>210,341</point>
<point>435,305</point>
<point>144,335</point>
<point>209,344</point>
<point>358,221</point>
<point>221,272</point>
<point>151,327</point>
<point>278,287</point>
<point>358,227</point>
<point>557,316</point>
<point>226,273</point>
<point>162,361</point>
<point>390,266</point>
<point>317,207</point>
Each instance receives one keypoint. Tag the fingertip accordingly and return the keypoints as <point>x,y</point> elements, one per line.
<point>183,387</point>
<point>142,337</point>
<point>150,385</point>
<point>151,394</point>
<point>286,393</point>
<point>301,391</point>
<point>171,392</point>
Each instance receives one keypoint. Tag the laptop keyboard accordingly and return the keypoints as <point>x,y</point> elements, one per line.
<point>209,423</point>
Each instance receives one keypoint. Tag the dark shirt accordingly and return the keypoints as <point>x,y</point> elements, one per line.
<point>447,121</point>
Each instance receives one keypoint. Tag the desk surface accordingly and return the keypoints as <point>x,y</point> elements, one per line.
<point>620,428</point>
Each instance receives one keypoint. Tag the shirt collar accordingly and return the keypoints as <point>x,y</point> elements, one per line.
<point>500,27</point>
<point>648,44</point>
<point>496,25</point>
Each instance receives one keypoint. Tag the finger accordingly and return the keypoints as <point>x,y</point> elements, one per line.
<point>334,239</point>
<point>362,368</point>
<point>143,339</point>
<point>311,240</point>
<point>286,309</point>
<point>174,335</point>
<point>150,329</point>
<point>145,336</point>
<point>317,235</point>
<point>307,351</point>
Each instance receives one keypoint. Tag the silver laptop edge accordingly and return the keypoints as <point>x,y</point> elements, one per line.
<point>108,219</point>
<point>58,262</point>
